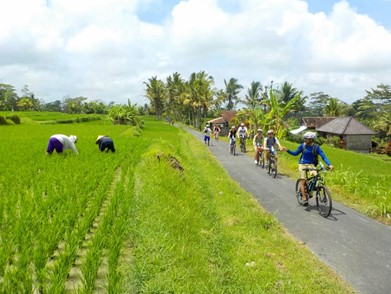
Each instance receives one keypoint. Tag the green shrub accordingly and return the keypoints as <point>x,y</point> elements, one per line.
<point>5,121</point>
<point>65,121</point>
<point>15,119</point>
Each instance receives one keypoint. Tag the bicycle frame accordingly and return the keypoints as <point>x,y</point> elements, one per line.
<point>272,162</point>
<point>232,146</point>
<point>316,183</point>
<point>243,144</point>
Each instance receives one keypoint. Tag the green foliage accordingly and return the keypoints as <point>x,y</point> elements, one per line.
<point>14,118</point>
<point>125,114</point>
<point>129,223</point>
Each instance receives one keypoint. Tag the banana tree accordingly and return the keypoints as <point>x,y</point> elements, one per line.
<point>277,112</point>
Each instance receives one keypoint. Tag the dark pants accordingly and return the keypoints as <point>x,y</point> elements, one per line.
<point>54,144</point>
<point>107,144</point>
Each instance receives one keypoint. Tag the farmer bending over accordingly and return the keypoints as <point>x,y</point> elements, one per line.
<point>105,142</point>
<point>60,143</point>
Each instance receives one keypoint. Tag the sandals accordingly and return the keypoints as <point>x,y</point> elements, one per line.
<point>305,202</point>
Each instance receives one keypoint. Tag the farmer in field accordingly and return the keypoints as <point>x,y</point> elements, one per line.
<point>60,143</point>
<point>104,143</point>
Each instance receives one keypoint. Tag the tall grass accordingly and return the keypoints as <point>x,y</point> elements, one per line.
<point>198,231</point>
<point>149,228</point>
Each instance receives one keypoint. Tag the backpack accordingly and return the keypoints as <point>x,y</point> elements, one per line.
<point>268,140</point>
<point>315,152</point>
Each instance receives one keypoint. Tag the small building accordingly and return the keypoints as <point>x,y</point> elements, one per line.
<point>353,134</point>
<point>223,121</point>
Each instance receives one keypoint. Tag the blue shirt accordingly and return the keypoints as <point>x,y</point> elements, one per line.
<point>308,155</point>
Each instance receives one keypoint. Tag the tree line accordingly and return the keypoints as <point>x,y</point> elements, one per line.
<point>195,99</point>
<point>119,113</point>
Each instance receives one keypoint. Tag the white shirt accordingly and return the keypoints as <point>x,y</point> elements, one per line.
<point>242,131</point>
<point>66,142</point>
<point>207,131</point>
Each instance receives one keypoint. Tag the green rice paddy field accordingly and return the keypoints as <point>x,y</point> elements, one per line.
<point>129,222</point>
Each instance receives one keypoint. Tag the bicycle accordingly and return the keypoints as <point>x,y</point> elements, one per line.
<point>216,136</point>
<point>272,162</point>
<point>243,144</point>
<point>260,156</point>
<point>232,147</point>
<point>316,183</point>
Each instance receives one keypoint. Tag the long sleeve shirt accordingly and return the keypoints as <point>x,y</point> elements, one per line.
<point>66,142</point>
<point>308,154</point>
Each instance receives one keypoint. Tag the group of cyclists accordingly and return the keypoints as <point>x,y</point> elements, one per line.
<point>308,149</point>
<point>259,141</point>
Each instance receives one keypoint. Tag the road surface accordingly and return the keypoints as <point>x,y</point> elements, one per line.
<point>355,246</point>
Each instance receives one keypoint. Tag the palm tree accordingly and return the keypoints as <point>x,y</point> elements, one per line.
<point>199,95</point>
<point>253,95</point>
<point>287,92</point>
<point>232,89</point>
<point>175,87</point>
<point>334,108</point>
<point>156,93</point>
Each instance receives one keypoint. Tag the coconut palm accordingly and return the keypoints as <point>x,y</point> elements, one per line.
<point>199,95</point>
<point>252,98</point>
<point>334,108</point>
<point>232,89</point>
<point>156,93</point>
<point>175,87</point>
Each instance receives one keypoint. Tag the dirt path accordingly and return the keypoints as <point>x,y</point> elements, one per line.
<point>355,246</point>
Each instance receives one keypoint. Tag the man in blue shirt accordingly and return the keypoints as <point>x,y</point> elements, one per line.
<point>308,158</point>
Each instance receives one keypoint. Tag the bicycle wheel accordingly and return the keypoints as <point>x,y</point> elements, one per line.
<point>274,169</point>
<point>262,160</point>
<point>298,192</point>
<point>323,201</point>
<point>234,149</point>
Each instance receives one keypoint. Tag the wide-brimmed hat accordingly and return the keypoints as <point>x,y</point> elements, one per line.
<point>99,137</point>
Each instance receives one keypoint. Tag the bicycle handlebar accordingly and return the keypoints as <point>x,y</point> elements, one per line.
<point>320,168</point>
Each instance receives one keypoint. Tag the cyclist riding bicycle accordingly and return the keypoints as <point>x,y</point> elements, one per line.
<point>309,151</point>
<point>242,135</point>
<point>269,142</point>
<point>257,142</point>
<point>207,132</point>
<point>216,131</point>
<point>242,131</point>
<point>232,137</point>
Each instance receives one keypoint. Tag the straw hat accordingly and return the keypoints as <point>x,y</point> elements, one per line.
<point>99,137</point>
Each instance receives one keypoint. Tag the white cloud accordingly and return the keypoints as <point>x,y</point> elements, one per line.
<point>102,50</point>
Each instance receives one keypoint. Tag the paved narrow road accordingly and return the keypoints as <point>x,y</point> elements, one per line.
<point>355,246</point>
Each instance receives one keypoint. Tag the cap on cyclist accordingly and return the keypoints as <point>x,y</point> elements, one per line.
<point>242,124</point>
<point>270,132</point>
<point>259,130</point>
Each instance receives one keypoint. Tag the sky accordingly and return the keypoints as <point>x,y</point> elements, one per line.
<point>107,49</point>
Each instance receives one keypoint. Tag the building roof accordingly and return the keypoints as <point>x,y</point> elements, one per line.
<point>226,116</point>
<point>315,122</point>
<point>218,120</point>
<point>347,125</point>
